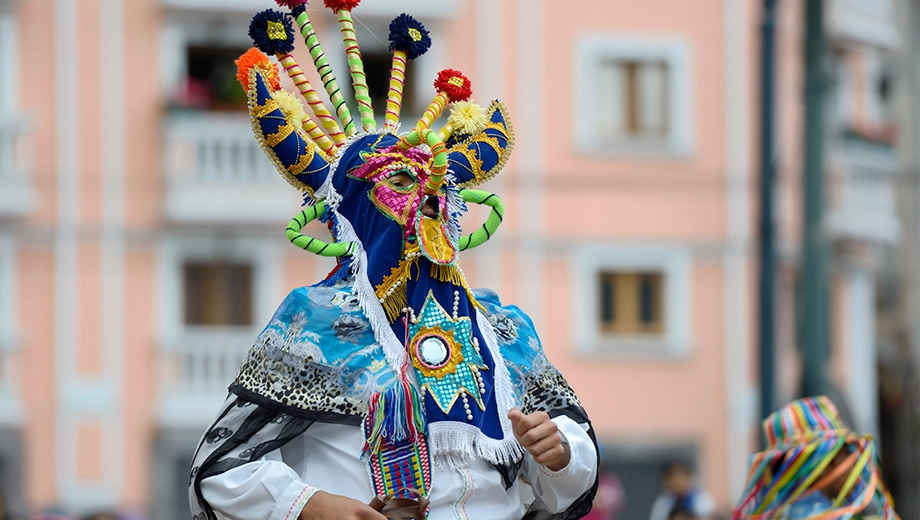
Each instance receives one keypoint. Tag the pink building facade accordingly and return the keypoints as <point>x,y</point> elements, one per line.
<point>142,245</point>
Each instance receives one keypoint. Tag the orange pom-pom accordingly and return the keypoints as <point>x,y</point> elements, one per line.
<point>254,58</point>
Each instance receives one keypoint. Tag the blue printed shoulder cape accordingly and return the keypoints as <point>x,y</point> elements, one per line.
<point>318,359</point>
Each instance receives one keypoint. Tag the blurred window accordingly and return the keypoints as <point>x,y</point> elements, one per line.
<point>210,79</point>
<point>634,95</point>
<point>218,293</point>
<point>866,106</point>
<point>633,100</point>
<point>377,65</point>
<point>631,302</point>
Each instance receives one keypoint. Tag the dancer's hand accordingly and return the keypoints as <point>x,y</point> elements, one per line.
<point>326,506</point>
<point>540,436</point>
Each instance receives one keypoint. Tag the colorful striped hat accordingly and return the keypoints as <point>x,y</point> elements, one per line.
<point>804,438</point>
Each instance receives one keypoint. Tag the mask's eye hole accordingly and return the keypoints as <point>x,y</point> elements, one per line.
<point>401,179</point>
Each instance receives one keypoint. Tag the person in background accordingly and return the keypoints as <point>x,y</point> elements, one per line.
<point>51,514</point>
<point>101,516</point>
<point>681,493</point>
<point>814,467</point>
<point>679,513</point>
<point>609,500</point>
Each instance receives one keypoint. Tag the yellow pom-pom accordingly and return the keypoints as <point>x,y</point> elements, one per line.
<point>467,118</point>
<point>291,106</point>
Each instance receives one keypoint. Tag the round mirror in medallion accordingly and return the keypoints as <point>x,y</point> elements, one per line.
<point>433,351</point>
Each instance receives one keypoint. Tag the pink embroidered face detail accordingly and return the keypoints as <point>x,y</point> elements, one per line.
<point>399,205</point>
<point>399,177</point>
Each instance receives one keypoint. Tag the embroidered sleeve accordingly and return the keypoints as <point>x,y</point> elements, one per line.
<point>557,490</point>
<point>266,488</point>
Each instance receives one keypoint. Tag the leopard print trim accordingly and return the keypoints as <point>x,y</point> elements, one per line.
<point>300,385</point>
<point>546,390</point>
<point>313,391</point>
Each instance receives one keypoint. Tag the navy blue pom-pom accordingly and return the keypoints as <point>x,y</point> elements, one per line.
<point>272,32</point>
<point>409,35</point>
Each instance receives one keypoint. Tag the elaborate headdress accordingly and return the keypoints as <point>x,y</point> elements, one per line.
<point>397,244</point>
<point>273,35</point>
<point>808,448</point>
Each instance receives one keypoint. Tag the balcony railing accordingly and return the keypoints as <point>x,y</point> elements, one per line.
<point>862,192</point>
<point>869,22</point>
<point>217,172</point>
<point>194,373</point>
<point>17,193</point>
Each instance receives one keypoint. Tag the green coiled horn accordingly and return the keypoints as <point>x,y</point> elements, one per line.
<point>315,245</point>
<point>488,229</point>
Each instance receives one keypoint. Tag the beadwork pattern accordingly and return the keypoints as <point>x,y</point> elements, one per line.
<point>401,467</point>
<point>461,377</point>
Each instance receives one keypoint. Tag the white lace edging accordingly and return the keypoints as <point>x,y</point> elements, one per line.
<point>453,442</point>
<point>393,349</point>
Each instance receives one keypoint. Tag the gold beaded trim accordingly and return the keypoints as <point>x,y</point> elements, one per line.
<point>260,136</point>
<point>284,131</point>
<point>481,176</point>
<point>303,162</point>
<point>263,110</point>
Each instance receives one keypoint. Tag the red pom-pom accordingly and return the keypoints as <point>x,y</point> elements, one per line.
<point>454,84</point>
<point>290,4</point>
<point>338,5</point>
<point>254,58</point>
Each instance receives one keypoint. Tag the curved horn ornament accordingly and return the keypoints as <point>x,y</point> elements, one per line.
<point>297,159</point>
<point>315,245</point>
<point>495,218</point>
<point>476,159</point>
